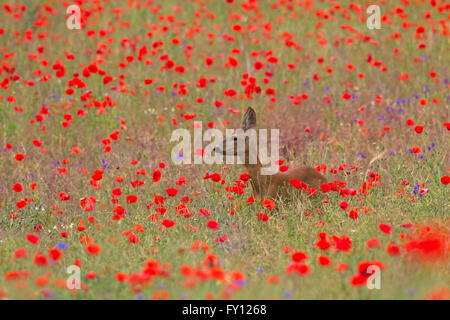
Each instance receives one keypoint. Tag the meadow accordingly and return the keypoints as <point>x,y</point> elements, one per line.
<point>87,181</point>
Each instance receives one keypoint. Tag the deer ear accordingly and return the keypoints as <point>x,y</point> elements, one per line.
<point>249,120</point>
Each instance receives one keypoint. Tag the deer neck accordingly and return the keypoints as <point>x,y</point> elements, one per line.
<point>254,170</point>
<point>259,182</point>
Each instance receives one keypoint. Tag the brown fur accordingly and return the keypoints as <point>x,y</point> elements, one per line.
<point>269,186</point>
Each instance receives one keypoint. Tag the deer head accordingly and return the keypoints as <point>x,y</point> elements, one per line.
<point>241,143</point>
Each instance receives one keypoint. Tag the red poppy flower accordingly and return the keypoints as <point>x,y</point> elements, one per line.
<point>168,223</point>
<point>346,96</point>
<point>393,249</point>
<point>93,248</point>
<point>418,129</point>
<point>55,254</point>
<point>262,216</point>
<point>215,177</point>
<point>171,192</point>
<point>353,214</point>
<point>341,267</point>
<point>344,205</point>
<point>373,243</point>
<point>121,276</point>
<point>299,256</point>
<point>445,180</point>
<point>244,177</point>
<point>156,175</point>
<point>269,204</point>
<point>385,228</point>
<point>34,239</point>
<point>323,260</point>
<point>258,65</point>
<point>40,260</point>
<point>87,203</point>
<point>17,187</point>
<point>131,199</point>
<point>299,268</point>
<point>212,224</point>
<point>20,253</point>
<point>107,79</point>
<point>323,244</point>
<point>117,192</point>
<point>343,243</point>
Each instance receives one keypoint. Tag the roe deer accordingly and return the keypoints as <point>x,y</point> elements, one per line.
<point>266,186</point>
